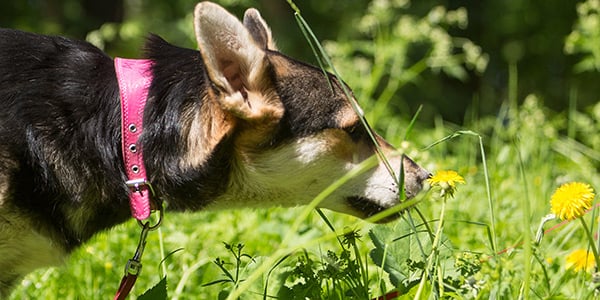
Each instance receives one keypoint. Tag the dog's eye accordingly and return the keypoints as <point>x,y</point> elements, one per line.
<point>356,131</point>
<point>244,94</point>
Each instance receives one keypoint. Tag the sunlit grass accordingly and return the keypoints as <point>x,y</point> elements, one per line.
<point>269,235</point>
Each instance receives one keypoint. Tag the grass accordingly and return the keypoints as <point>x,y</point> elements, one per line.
<point>485,246</point>
<point>523,170</point>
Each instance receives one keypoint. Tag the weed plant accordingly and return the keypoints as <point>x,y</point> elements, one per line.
<point>495,238</point>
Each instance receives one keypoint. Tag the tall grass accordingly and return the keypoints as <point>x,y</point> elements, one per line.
<point>522,175</point>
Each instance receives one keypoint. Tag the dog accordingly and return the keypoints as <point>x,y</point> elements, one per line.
<point>235,124</point>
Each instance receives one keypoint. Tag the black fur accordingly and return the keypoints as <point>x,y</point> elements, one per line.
<point>60,121</point>
<point>302,91</point>
<point>60,124</point>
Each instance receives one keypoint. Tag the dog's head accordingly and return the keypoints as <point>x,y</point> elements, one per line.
<point>294,130</point>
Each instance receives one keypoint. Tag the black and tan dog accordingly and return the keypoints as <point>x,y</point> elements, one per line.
<point>234,124</point>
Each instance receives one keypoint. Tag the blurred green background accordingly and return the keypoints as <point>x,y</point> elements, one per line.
<point>548,43</point>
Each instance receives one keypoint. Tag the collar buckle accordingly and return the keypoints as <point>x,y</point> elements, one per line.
<point>136,185</point>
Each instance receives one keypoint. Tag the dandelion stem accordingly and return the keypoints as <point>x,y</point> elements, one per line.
<point>591,239</point>
<point>433,257</point>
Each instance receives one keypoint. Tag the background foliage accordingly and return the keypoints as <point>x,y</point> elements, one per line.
<point>530,34</point>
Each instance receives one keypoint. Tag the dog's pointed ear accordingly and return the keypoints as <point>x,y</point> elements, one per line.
<point>236,62</point>
<point>259,30</point>
<point>230,53</point>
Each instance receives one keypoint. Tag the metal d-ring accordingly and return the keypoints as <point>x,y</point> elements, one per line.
<point>147,226</point>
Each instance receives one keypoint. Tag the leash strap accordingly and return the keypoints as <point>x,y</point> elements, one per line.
<point>134,77</point>
<point>126,285</point>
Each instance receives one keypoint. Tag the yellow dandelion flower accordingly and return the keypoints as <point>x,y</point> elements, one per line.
<point>580,260</point>
<point>447,181</point>
<point>571,200</point>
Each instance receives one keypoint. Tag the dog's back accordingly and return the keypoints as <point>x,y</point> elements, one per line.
<point>59,100</point>
<point>49,106</point>
<point>57,96</point>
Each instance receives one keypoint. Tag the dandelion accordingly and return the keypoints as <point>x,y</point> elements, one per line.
<point>579,260</point>
<point>447,181</point>
<point>571,200</point>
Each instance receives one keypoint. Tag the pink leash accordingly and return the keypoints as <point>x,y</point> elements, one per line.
<point>134,77</point>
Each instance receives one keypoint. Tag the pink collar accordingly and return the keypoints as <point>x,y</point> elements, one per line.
<point>134,77</point>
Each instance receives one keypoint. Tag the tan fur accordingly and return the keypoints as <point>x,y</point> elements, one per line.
<point>259,121</point>
<point>22,248</point>
<point>206,130</point>
<point>346,117</point>
<point>281,66</point>
<point>341,146</point>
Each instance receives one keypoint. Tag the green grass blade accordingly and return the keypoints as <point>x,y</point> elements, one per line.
<point>488,191</point>
<point>412,123</point>
<point>325,219</point>
<point>279,262</point>
<point>528,253</point>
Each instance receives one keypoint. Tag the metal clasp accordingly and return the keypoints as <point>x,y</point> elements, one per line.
<point>136,185</point>
<point>134,265</point>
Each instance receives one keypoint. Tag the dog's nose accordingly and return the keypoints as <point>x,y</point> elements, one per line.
<point>414,176</point>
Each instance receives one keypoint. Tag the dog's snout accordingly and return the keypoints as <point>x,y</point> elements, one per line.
<point>414,175</point>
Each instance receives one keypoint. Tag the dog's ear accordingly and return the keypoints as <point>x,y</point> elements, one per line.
<point>228,50</point>
<point>259,30</point>
<point>235,61</point>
